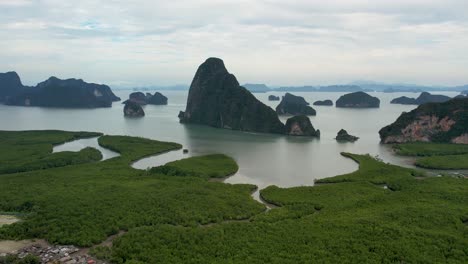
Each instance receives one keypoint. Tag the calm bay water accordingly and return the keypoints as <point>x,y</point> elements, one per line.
<point>263,159</point>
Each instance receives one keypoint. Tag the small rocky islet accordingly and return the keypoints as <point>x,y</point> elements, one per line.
<point>343,136</point>
<point>133,109</point>
<point>294,105</point>
<point>358,100</point>
<point>326,102</point>
<point>301,126</point>
<point>273,98</point>
<point>143,99</point>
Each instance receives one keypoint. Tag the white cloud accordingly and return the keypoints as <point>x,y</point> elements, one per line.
<point>277,42</point>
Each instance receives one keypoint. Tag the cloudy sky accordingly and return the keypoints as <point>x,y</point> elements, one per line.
<point>277,42</point>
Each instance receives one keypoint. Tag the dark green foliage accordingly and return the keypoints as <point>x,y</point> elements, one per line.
<point>448,162</point>
<point>12,259</point>
<point>53,160</point>
<point>32,150</point>
<point>358,100</point>
<point>350,220</point>
<point>374,172</point>
<point>210,166</point>
<point>436,155</point>
<point>455,109</point>
<point>134,148</point>
<point>101,252</point>
<point>430,149</point>
<point>84,204</point>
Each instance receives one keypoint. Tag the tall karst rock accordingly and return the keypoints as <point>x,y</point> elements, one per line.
<point>216,99</point>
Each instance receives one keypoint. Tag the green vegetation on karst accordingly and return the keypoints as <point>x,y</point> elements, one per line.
<point>210,166</point>
<point>380,213</point>
<point>436,155</point>
<point>84,204</point>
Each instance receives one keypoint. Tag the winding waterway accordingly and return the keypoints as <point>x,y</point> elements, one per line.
<point>80,144</point>
<point>263,159</point>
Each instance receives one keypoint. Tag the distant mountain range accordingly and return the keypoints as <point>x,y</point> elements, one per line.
<point>262,88</point>
<point>364,86</point>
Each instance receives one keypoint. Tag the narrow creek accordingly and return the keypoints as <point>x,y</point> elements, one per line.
<point>237,178</point>
<point>80,144</point>
<point>150,161</point>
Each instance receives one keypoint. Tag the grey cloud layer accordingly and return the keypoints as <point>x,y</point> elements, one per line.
<point>276,42</point>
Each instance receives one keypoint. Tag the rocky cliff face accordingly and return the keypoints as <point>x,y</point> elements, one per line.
<point>133,109</point>
<point>73,93</point>
<point>142,99</point>
<point>358,100</point>
<point>423,98</point>
<point>431,122</point>
<point>294,105</point>
<point>216,99</point>
<point>137,97</point>
<point>344,136</point>
<point>301,126</point>
<point>10,85</point>
<point>157,99</point>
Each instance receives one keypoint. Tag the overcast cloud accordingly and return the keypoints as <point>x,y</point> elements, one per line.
<point>294,42</point>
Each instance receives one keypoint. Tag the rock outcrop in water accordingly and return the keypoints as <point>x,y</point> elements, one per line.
<point>294,105</point>
<point>144,99</point>
<point>216,99</point>
<point>344,136</point>
<point>137,97</point>
<point>133,109</point>
<point>54,92</point>
<point>423,98</point>
<point>431,122</point>
<point>273,98</point>
<point>301,126</point>
<point>157,99</point>
<point>358,100</point>
<point>324,103</point>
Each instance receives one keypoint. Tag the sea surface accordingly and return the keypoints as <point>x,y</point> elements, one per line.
<point>263,159</point>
